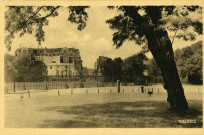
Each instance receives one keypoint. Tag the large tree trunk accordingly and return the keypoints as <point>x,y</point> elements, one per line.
<point>161,48</point>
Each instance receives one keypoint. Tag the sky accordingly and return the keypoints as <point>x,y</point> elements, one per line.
<point>94,41</point>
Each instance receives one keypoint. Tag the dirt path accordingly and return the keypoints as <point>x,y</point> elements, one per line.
<point>96,110</point>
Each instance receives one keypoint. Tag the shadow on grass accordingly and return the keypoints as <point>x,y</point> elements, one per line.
<point>140,114</point>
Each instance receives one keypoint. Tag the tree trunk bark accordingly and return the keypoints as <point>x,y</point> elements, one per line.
<point>161,48</point>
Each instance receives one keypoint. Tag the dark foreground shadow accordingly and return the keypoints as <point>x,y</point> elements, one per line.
<point>141,114</point>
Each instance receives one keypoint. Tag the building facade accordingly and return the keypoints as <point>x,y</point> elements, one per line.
<point>59,61</point>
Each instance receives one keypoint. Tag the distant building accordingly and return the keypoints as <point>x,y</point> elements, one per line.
<point>98,64</point>
<point>59,61</point>
<point>85,71</point>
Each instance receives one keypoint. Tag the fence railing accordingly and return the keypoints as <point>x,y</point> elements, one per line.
<point>13,86</point>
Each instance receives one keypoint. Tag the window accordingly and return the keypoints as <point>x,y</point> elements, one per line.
<point>61,59</point>
<point>70,60</point>
<point>32,58</point>
<point>50,67</point>
<point>57,72</point>
<point>65,59</point>
<point>57,66</point>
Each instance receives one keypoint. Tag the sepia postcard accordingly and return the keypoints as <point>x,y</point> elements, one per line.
<point>101,67</point>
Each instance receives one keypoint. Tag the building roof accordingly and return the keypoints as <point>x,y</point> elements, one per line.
<point>51,51</point>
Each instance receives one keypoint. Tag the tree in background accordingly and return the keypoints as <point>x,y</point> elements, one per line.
<point>23,66</point>
<point>10,73</point>
<point>38,71</point>
<point>107,69</point>
<point>189,63</point>
<point>133,68</point>
<point>29,70</point>
<point>142,24</point>
<point>154,72</point>
<point>117,69</point>
<point>8,57</point>
<point>129,70</point>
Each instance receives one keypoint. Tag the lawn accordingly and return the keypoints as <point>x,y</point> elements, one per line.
<point>103,110</point>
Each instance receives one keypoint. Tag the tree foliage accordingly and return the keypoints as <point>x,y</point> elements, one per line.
<point>129,70</point>
<point>175,19</point>
<point>117,66</point>
<point>133,68</point>
<point>111,69</point>
<point>8,57</point>
<point>78,15</point>
<point>154,73</point>
<point>32,19</point>
<point>189,63</point>
<point>24,69</point>
<point>10,73</point>
<point>27,19</point>
<point>178,19</point>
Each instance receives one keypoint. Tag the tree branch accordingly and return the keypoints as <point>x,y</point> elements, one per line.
<point>26,21</point>
<point>174,36</point>
<point>175,32</point>
<point>132,12</point>
<point>48,15</point>
<point>42,18</point>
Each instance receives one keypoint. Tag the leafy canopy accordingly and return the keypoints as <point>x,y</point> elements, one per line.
<point>112,69</point>
<point>31,19</point>
<point>189,62</point>
<point>131,22</point>
<point>25,69</point>
<point>134,67</point>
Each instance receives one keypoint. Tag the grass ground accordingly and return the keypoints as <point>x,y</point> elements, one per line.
<point>108,109</point>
